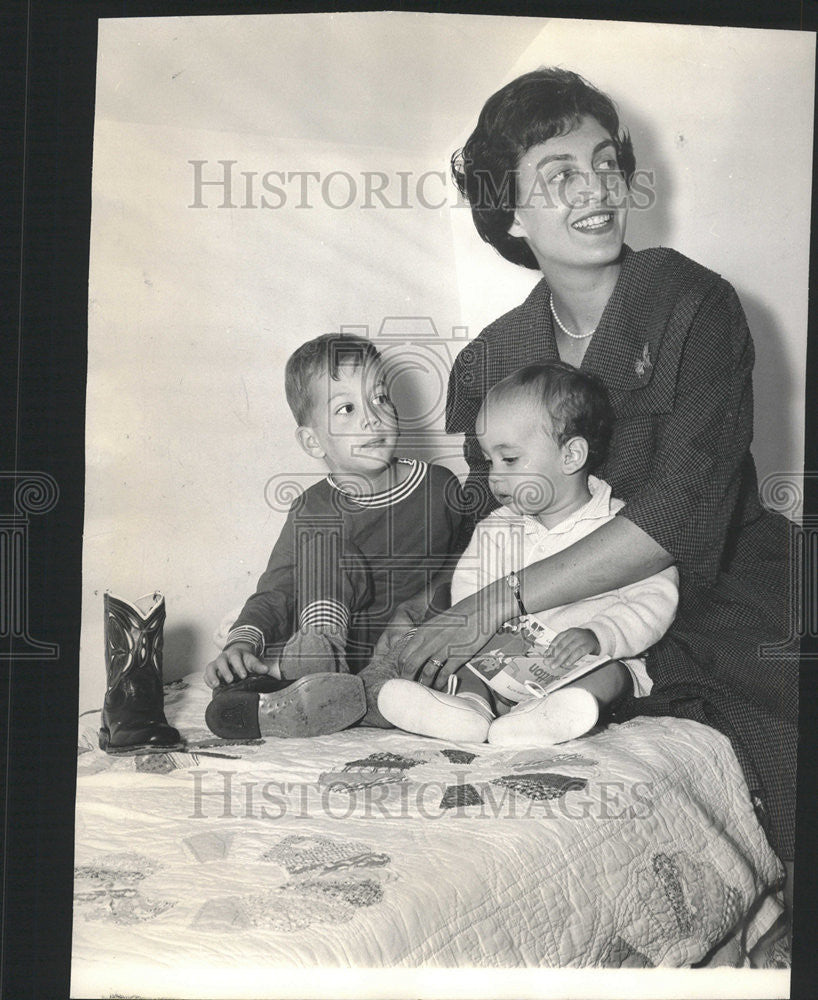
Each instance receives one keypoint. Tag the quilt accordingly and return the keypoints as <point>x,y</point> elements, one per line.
<point>634,847</point>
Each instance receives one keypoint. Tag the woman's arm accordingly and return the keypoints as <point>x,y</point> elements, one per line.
<point>615,555</point>
<point>680,514</point>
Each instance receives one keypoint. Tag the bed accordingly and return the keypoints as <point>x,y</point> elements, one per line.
<point>634,847</point>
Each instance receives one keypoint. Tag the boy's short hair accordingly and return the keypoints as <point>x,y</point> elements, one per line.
<point>321,358</point>
<point>577,403</point>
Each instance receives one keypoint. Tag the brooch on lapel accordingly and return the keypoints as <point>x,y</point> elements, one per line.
<point>643,365</point>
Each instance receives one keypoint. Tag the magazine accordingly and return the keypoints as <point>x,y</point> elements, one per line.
<point>521,655</point>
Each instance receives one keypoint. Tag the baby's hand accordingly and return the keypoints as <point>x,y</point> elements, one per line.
<point>571,645</point>
<point>235,662</point>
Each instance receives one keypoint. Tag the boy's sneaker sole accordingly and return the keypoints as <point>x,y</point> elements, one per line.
<point>315,705</point>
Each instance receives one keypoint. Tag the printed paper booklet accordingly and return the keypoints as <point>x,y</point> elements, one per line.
<point>520,655</point>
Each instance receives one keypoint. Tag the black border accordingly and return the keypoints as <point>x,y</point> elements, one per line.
<point>46,130</point>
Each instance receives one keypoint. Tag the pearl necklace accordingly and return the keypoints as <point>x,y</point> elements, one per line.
<point>565,330</point>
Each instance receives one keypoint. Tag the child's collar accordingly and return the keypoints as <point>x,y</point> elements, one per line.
<point>598,506</point>
<point>392,494</point>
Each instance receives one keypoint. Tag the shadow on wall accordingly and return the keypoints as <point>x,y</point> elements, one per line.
<point>419,355</point>
<point>774,384</point>
<point>183,653</point>
<point>650,222</point>
<point>774,380</point>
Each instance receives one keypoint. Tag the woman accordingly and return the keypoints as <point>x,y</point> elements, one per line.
<point>546,173</point>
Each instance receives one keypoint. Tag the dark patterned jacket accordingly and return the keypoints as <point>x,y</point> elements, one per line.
<point>675,353</point>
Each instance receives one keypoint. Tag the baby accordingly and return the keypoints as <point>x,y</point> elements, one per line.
<point>543,430</point>
<point>377,534</point>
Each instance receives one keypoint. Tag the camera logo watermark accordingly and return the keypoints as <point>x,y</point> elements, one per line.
<point>412,364</point>
<point>417,361</point>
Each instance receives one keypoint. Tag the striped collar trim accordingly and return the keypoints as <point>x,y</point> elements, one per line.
<point>386,498</point>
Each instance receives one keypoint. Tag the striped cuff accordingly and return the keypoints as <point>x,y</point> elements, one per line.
<point>246,633</point>
<point>324,614</point>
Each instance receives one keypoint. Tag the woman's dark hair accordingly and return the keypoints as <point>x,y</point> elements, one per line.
<point>576,402</point>
<point>531,109</point>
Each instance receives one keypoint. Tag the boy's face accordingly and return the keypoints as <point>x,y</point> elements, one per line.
<point>526,470</point>
<point>354,421</point>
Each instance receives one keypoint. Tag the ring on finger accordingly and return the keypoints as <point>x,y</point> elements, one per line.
<point>435,662</point>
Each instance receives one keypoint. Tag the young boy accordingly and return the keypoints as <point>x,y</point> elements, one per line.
<point>543,430</point>
<point>376,534</point>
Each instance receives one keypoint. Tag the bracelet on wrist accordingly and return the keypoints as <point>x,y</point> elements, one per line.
<point>513,583</point>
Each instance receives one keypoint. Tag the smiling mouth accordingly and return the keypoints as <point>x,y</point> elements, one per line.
<point>593,223</point>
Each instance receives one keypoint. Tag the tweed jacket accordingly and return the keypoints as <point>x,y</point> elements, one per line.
<point>674,350</point>
<point>675,353</point>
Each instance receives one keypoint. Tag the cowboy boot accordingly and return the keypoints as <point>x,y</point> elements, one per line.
<point>133,716</point>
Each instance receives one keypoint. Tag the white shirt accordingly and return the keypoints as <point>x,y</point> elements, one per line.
<point>626,621</point>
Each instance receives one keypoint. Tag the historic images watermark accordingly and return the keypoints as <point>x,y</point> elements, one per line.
<point>224,794</point>
<point>31,493</point>
<point>226,184</point>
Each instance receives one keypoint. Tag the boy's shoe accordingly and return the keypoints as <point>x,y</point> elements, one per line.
<point>261,705</point>
<point>445,716</point>
<point>545,720</point>
<point>314,650</point>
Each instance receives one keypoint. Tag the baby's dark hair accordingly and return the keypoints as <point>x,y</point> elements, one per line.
<point>576,402</point>
<point>531,109</point>
<point>321,358</point>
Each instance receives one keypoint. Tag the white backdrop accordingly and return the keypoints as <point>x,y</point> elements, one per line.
<point>193,310</point>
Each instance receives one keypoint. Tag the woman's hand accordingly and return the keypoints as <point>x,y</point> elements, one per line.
<point>447,641</point>
<point>403,622</point>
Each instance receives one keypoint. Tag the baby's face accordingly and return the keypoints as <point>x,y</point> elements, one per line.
<point>355,420</point>
<point>525,462</point>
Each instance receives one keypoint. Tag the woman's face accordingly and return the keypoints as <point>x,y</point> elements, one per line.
<point>572,200</point>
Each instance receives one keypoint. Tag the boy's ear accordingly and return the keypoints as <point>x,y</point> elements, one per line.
<point>574,455</point>
<point>308,440</point>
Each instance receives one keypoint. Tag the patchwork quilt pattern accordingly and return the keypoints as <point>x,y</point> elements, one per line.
<point>636,846</point>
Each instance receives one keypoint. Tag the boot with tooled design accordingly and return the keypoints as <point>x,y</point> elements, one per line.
<point>133,716</point>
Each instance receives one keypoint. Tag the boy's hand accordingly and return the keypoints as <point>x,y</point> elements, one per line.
<point>234,663</point>
<point>571,645</point>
